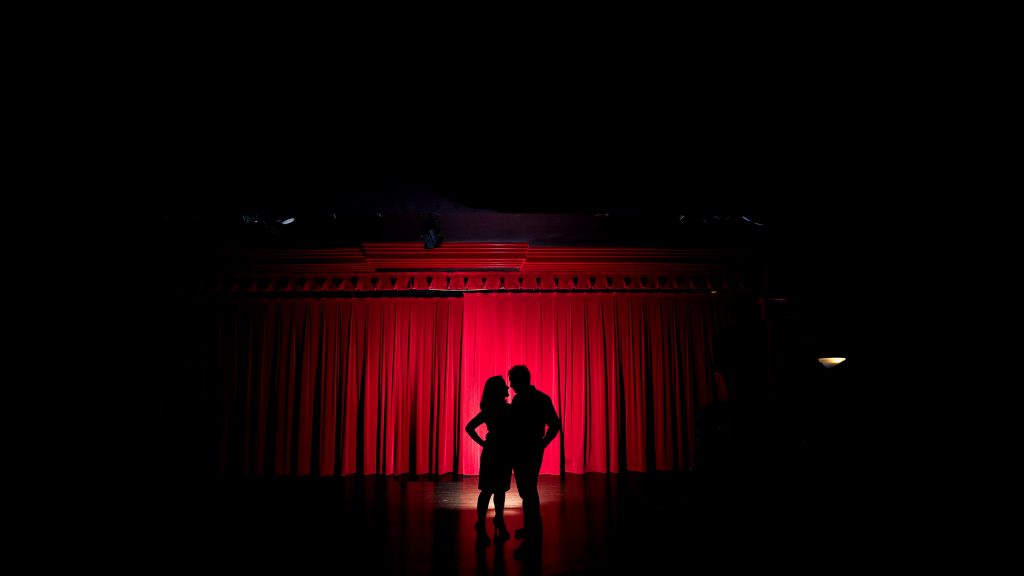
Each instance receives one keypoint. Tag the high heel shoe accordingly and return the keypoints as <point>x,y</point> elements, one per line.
<point>500,532</point>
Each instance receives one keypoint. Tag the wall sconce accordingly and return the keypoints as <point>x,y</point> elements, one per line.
<point>831,361</point>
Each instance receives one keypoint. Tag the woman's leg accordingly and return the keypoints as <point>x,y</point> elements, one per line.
<point>499,505</point>
<point>481,505</point>
<point>481,515</point>
<point>500,532</point>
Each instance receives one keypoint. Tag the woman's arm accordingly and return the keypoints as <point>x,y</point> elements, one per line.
<point>472,426</point>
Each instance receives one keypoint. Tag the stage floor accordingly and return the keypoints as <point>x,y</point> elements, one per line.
<point>593,524</point>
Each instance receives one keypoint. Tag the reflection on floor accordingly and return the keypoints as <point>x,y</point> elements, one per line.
<point>593,524</point>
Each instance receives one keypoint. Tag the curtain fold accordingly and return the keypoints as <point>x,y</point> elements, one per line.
<point>338,387</point>
<point>386,385</point>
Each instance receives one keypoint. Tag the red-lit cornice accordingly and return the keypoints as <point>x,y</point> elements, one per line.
<point>664,260</point>
<point>451,256</point>
<point>408,266</point>
<point>329,261</point>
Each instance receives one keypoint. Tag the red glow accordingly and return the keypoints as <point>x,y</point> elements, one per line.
<point>385,385</point>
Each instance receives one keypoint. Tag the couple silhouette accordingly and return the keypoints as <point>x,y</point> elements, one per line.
<point>517,435</point>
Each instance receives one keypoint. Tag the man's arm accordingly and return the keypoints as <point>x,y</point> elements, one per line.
<point>554,425</point>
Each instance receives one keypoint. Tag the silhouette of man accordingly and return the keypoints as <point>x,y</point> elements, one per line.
<point>536,424</point>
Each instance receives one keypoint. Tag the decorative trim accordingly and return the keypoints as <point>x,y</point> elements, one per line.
<point>462,267</point>
<point>475,282</point>
<point>449,256</point>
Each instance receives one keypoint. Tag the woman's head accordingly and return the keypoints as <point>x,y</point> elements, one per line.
<point>495,392</point>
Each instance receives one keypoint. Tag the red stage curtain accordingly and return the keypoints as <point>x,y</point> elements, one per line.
<point>340,386</point>
<point>385,385</point>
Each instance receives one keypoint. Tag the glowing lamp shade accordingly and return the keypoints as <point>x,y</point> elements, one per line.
<point>831,361</point>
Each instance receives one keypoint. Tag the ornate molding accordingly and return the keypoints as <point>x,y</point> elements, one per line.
<point>460,267</point>
<point>473,282</point>
<point>413,256</point>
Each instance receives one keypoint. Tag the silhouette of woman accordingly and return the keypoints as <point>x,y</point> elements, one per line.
<point>495,460</point>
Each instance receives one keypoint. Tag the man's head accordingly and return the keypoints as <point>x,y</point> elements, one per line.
<point>519,378</point>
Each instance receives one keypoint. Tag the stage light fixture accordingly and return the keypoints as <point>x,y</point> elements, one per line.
<point>430,232</point>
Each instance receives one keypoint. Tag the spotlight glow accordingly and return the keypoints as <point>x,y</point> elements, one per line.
<point>463,496</point>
